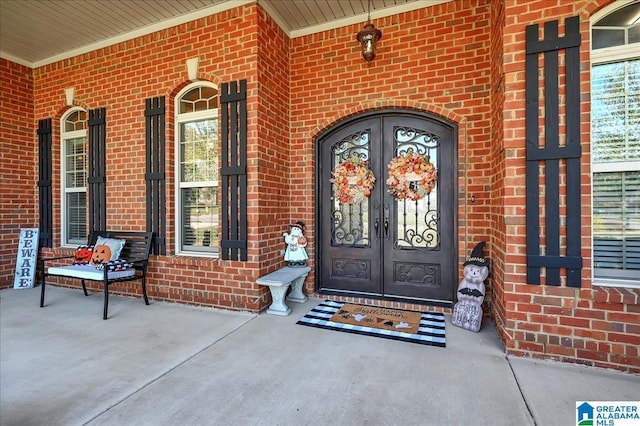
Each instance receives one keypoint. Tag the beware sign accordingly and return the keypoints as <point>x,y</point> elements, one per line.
<point>27,258</point>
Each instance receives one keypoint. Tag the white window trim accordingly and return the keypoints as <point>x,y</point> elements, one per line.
<point>603,56</point>
<point>64,136</point>
<point>615,166</point>
<point>179,119</point>
<point>614,54</point>
<point>611,282</point>
<point>610,8</point>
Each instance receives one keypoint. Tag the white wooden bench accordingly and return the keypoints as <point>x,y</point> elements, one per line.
<point>279,282</point>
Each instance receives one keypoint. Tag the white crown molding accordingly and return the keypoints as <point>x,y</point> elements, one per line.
<point>221,7</point>
<point>149,29</point>
<point>12,58</point>
<point>362,18</point>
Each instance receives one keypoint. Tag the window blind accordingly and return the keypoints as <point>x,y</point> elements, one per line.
<point>616,224</point>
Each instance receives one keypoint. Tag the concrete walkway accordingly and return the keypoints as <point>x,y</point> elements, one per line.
<point>168,364</point>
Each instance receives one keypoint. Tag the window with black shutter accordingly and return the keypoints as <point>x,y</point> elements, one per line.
<point>73,167</point>
<point>197,170</point>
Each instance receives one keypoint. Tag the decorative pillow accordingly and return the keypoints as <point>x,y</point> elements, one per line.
<point>83,254</point>
<point>115,265</point>
<point>105,250</point>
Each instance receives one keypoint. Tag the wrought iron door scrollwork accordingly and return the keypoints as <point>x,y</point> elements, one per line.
<point>350,221</point>
<point>423,237</point>
<point>354,145</point>
<point>417,221</point>
<point>346,229</point>
<point>407,139</point>
<point>414,273</point>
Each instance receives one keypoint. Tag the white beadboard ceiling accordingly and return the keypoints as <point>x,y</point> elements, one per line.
<point>38,32</point>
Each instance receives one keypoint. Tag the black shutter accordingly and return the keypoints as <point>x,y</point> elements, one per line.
<point>155,173</point>
<point>551,154</point>
<point>233,171</point>
<point>45,192</point>
<point>97,169</point>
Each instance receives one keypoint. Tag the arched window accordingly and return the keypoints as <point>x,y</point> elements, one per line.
<point>197,169</point>
<point>73,172</point>
<point>615,143</point>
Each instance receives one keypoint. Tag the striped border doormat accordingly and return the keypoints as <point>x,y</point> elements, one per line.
<point>430,332</point>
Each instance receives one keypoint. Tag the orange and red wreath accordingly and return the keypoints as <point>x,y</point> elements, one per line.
<point>411,176</point>
<point>352,180</point>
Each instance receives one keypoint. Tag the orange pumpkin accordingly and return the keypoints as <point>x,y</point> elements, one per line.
<point>101,254</point>
<point>83,255</point>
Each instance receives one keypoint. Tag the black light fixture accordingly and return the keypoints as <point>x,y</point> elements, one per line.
<point>368,38</point>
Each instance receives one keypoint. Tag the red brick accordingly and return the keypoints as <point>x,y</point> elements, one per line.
<point>623,317</point>
<point>592,355</point>
<point>575,322</point>
<point>560,350</point>
<point>625,338</point>
<point>607,326</point>
<point>590,313</point>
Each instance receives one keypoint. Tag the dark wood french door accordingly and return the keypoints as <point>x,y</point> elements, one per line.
<point>380,246</point>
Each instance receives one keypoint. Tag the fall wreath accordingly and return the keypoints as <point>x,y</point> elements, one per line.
<point>352,180</point>
<point>411,176</point>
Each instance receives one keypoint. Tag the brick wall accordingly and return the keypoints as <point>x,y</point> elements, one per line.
<point>591,325</point>
<point>434,59</point>
<point>463,60</point>
<point>275,160</point>
<point>18,170</point>
<point>121,77</point>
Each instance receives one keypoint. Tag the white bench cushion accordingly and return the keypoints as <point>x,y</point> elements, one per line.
<point>88,272</point>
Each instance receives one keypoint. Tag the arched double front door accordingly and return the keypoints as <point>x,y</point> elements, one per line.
<point>382,246</point>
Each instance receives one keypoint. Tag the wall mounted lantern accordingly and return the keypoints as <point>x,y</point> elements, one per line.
<point>368,38</point>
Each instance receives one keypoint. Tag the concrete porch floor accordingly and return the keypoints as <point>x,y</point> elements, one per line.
<point>169,364</point>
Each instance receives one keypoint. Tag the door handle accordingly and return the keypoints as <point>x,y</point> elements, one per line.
<point>386,220</point>
<point>376,225</point>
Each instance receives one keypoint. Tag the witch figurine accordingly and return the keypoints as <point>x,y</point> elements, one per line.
<point>296,255</point>
<point>467,312</point>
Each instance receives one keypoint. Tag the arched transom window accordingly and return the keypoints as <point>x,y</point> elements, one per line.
<point>73,172</point>
<point>197,169</point>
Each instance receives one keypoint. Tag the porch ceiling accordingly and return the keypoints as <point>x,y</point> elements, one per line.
<point>38,32</point>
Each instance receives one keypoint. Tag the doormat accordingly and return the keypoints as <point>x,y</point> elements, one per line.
<point>425,328</point>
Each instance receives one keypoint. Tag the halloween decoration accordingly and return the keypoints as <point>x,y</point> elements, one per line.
<point>467,312</point>
<point>295,254</point>
<point>83,255</point>
<point>101,254</point>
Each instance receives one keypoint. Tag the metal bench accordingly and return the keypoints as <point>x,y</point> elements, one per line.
<point>136,251</point>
